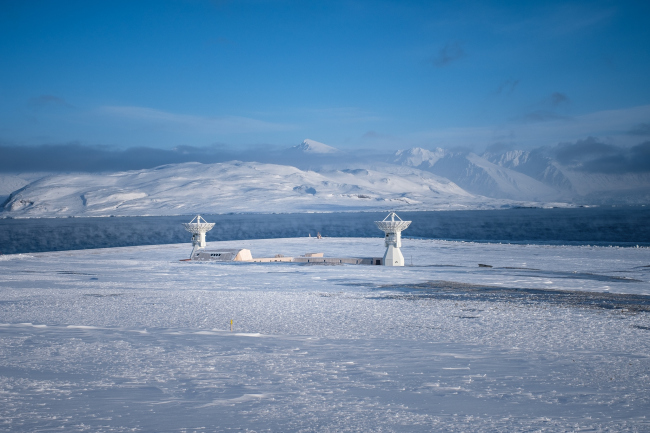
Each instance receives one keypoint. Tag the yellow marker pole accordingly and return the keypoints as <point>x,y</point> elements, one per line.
<point>230,325</point>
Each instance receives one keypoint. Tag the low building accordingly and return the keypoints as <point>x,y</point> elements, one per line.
<point>244,255</point>
<point>224,255</point>
<point>340,260</point>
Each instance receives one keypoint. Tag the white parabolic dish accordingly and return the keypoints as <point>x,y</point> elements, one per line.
<point>200,226</point>
<point>393,226</point>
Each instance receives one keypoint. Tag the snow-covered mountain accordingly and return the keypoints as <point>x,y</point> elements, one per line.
<point>10,183</point>
<point>581,186</point>
<point>418,157</point>
<point>597,188</point>
<point>310,147</point>
<point>528,175</point>
<point>477,175</point>
<point>240,187</point>
<point>534,164</point>
<point>413,179</point>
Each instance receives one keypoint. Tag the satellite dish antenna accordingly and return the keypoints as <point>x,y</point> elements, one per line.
<point>393,240</point>
<point>198,227</point>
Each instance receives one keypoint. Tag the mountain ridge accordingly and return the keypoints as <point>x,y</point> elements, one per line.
<point>237,186</point>
<point>411,179</point>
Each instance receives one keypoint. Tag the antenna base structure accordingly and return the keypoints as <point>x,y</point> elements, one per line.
<point>198,227</point>
<point>393,240</point>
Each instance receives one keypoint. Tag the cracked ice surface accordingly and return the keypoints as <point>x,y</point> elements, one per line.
<point>131,339</point>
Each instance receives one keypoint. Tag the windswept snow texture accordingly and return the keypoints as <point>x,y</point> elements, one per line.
<point>130,339</point>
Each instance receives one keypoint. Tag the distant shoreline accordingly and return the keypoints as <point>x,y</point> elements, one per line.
<point>489,209</point>
<point>603,226</point>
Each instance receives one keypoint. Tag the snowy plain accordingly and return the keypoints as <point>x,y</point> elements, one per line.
<point>553,338</point>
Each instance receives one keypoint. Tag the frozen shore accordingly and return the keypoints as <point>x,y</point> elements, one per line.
<point>549,337</point>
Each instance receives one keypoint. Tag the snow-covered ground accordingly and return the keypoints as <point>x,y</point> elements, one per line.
<point>132,339</point>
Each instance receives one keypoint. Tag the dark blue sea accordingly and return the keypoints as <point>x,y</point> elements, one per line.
<point>617,226</point>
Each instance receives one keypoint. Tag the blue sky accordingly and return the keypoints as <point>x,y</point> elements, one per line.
<point>353,74</point>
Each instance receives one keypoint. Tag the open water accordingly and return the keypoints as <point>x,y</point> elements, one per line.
<point>620,226</point>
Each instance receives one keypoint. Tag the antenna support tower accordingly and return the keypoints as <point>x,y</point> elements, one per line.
<point>198,227</point>
<point>393,229</point>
